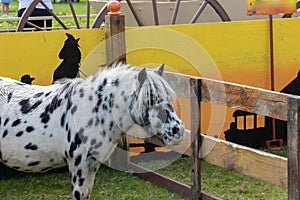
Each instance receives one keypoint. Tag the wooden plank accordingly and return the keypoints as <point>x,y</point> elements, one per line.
<point>180,83</point>
<point>293,131</point>
<point>205,196</point>
<point>170,184</point>
<point>244,160</point>
<point>251,162</point>
<point>195,138</point>
<point>246,98</point>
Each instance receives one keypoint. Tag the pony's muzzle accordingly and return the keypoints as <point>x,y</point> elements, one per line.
<point>178,133</point>
<point>175,136</point>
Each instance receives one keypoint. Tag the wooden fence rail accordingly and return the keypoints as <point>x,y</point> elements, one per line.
<point>246,98</point>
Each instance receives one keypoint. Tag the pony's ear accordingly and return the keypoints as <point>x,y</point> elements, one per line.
<point>77,40</point>
<point>160,70</point>
<point>142,76</point>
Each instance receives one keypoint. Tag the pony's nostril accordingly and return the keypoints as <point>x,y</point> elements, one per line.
<point>165,139</point>
<point>175,130</point>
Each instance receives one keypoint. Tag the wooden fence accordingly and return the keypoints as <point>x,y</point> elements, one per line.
<point>238,158</point>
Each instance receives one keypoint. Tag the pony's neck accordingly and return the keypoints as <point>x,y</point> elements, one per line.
<point>107,96</point>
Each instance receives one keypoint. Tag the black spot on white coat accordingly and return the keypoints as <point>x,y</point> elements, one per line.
<point>31,146</point>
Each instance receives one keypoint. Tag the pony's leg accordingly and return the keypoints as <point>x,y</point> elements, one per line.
<point>82,176</point>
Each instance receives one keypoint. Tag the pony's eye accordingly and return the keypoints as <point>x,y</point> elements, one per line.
<point>162,115</point>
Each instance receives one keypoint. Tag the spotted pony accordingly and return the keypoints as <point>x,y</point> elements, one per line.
<point>78,122</point>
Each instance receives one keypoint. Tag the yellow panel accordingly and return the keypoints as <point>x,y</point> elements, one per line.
<point>178,51</point>
<point>231,51</point>
<point>240,50</point>
<point>36,53</point>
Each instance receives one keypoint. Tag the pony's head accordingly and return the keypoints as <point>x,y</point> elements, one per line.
<point>150,107</point>
<point>70,50</point>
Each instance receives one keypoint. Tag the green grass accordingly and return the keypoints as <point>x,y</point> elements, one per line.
<point>113,184</point>
<point>64,9</point>
<point>226,184</point>
<point>109,184</point>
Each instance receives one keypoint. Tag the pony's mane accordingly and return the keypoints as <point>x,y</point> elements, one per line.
<point>154,81</point>
<point>68,86</point>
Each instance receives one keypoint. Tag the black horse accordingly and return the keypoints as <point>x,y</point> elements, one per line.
<point>71,55</point>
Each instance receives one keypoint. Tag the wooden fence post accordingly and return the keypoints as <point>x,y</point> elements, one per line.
<point>293,141</point>
<point>116,53</point>
<point>195,92</point>
<point>115,34</point>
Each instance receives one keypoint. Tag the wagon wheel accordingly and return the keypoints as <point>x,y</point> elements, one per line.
<point>101,15</point>
<point>24,18</point>
<point>217,7</point>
